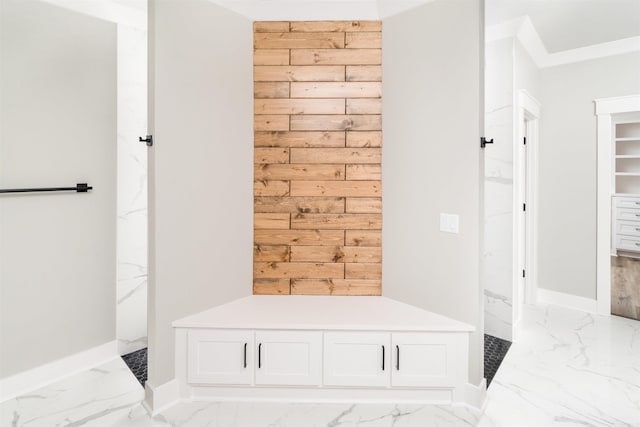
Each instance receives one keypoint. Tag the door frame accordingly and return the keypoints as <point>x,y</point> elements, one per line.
<point>605,108</point>
<point>527,108</point>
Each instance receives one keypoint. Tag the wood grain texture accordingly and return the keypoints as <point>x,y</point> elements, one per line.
<point>367,40</point>
<point>270,221</point>
<point>270,26</point>
<point>298,106</point>
<point>336,155</point>
<point>337,122</point>
<point>363,205</point>
<point>363,73</point>
<point>317,158</point>
<point>271,90</point>
<point>337,221</point>
<point>299,139</point>
<point>271,287</point>
<point>298,40</point>
<point>336,90</point>
<point>363,271</point>
<point>364,139</point>
<point>364,172</point>
<point>339,26</point>
<point>335,287</point>
<point>271,57</point>
<point>363,238</point>
<point>299,204</point>
<point>271,253</point>
<point>307,73</point>
<point>299,237</point>
<point>299,172</point>
<point>336,188</point>
<point>336,254</point>
<point>302,270</point>
<point>336,57</point>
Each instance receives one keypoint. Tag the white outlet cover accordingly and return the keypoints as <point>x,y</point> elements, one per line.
<point>449,223</point>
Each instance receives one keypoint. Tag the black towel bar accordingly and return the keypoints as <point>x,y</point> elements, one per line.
<point>79,188</point>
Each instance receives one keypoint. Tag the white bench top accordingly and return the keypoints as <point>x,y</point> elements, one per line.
<point>375,313</point>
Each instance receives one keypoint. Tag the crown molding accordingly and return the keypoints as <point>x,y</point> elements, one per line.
<point>522,29</point>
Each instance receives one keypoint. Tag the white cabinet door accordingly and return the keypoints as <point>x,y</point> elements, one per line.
<point>288,358</point>
<point>220,357</point>
<point>423,360</point>
<point>357,359</point>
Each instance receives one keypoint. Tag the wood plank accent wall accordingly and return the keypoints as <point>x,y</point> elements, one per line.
<point>317,153</point>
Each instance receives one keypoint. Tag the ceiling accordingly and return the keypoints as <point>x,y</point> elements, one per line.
<point>570,24</point>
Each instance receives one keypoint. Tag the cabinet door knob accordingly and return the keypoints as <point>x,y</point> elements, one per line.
<point>397,358</point>
<point>245,355</point>
<point>259,355</point>
<point>383,358</point>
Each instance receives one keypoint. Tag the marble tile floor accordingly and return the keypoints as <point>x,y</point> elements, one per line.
<point>567,368</point>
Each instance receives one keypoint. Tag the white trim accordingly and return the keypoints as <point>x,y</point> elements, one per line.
<point>523,29</point>
<point>567,300</point>
<point>160,398</point>
<point>605,108</point>
<point>38,377</point>
<point>527,107</point>
<point>106,10</point>
<point>476,395</point>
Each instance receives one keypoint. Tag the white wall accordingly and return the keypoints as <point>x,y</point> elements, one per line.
<point>497,255</point>
<point>201,166</point>
<point>57,251</point>
<point>432,109</point>
<point>567,174</point>
<point>132,190</point>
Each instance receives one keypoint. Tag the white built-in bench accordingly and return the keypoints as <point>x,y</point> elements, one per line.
<point>321,348</point>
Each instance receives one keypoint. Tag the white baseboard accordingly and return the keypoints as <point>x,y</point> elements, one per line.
<point>38,377</point>
<point>476,395</point>
<point>567,300</point>
<point>161,397</point>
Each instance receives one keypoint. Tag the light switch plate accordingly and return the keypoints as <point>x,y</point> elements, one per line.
<point>449,223</point>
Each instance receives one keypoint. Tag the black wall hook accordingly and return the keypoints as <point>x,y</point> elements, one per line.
<point>148,140</point>
<point>484,142</point>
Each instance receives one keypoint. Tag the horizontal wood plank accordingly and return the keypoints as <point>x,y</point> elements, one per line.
<point>304,172</point>
<point>270,123</point>
<point>363,205</point>
<point>271,253</point>
<point>336,188</point>
<point>299,237</point>
<point>335,254</point>
<point>363,238</point>
<point>364,172</point>
<point>336,57</point>
<point>271,57</point>
<point>299,139</point>
<point>336,155</point>
<point>367,40</point>
<point>336,89</point>
<point>276,270</point>
<point>298,40</point>
<point>339,26</point>
<point>270,26</point>
<point>271,188</point>
<point>364,106</point>
<point>335,287</point>
<point>299,204</point>
<point>364,139</point>
<point>271,287</point>
<point>305,73</point>
<point>363,271</point>
<point>298,106</point>
<point>363,73</point>
<point>336,122</point>
<point>324,221</point>
<point>271,90</point>
<point>270,155</point>
<point>268,221</point>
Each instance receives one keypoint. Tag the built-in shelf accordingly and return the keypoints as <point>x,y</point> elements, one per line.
<point>628,156</point>
<point>628,173</point>
<point>627,139</point>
